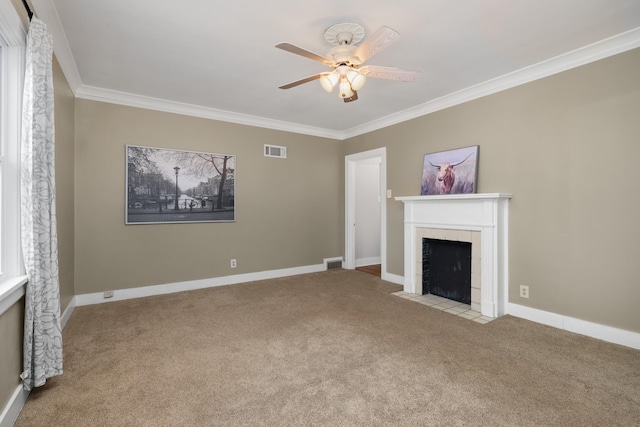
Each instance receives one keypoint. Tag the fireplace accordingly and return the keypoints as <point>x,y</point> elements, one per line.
<point>479,219</point>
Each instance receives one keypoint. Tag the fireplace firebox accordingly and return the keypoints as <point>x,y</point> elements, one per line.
<point>446,269</point>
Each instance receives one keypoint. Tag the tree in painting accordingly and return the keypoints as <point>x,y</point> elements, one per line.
<point>206,165</point>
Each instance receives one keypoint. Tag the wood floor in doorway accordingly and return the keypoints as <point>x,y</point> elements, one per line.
<point>376,269</point>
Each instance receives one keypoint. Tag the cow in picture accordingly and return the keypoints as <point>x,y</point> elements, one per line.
<point>446,176</point>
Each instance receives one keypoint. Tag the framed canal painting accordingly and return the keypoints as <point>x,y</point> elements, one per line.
<point>177,186</point>
<point>450,172</point>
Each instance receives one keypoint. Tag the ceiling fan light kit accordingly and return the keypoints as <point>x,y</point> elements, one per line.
<point>350,80</point>
<point>345,59</point>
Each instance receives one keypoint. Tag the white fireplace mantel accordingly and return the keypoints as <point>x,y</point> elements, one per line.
<point>487,213</point>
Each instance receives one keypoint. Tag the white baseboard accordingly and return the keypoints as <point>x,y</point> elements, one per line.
<point>333,259</point>
<point>583,327</point>
<point>571,324</point>
<point>169,288</point>
<point>67,313</point>
<point>578,326</point>
<point>393,278</point>
<point>14,406</point>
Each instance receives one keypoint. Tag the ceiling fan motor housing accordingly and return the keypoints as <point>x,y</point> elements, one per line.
<point>342,55</point>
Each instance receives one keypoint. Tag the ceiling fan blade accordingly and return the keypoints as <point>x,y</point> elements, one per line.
<point>389,73</point>
<point>302,52</point>
<point>302,81</point>
<point>382,38</point>
<point>353,97</point>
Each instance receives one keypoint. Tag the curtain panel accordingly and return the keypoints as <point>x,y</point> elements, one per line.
<point>42,354</point>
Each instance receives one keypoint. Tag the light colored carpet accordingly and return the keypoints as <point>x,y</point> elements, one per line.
<point>332,348</point>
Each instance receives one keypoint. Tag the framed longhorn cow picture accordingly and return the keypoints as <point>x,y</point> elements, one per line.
<point>450,172</point>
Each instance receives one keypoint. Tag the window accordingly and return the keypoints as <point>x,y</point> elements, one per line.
<point>12,57</point>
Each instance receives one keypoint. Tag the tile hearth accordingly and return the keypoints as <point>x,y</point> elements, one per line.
<point>449,306</point>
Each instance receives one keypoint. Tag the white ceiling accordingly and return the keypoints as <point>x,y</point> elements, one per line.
<point>217,59</point>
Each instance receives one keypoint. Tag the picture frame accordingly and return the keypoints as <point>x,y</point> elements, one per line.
<point>177,186</point>
<point>450,172</point>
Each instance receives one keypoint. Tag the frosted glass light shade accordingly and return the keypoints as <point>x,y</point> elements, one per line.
<point>356,79</point>
<point>345,89</point>
<point>328,81</point>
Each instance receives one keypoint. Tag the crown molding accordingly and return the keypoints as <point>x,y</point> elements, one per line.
<point>139,101</point>
<point>582,56</point>
<point>46,11</point>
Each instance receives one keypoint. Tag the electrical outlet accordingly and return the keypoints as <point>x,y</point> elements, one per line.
<point>233,263</point>
<point>108,294</point>
<point>524,291</point>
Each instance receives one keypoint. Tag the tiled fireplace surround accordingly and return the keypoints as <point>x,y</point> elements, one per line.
<point>482,220</point>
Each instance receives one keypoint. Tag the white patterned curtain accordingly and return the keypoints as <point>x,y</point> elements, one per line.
<point>42,333</point>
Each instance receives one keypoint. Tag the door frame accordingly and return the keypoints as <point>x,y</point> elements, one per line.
<point>350,163</point>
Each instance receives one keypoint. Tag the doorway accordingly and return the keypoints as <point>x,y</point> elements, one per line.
<point>366,239</point>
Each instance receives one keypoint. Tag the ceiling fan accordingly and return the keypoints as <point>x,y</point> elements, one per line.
<point>346,59</point>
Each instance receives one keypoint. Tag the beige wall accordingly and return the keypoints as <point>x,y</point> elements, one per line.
<point>65,186</point>
<point>288,210</point>
<point>567,148</point>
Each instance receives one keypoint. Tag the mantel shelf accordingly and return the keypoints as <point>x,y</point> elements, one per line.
<point>473,196</point>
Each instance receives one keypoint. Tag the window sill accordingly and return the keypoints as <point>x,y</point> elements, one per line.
<point>11,290</point>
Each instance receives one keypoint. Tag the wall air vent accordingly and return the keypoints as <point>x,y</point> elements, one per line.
<point>333,265</point>
<point>275,151</point>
